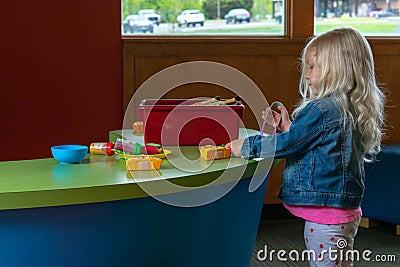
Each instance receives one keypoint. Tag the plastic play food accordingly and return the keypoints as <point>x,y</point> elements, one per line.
<point>138,127</point>
<point>102,148</point>
<point>207,102</point>
<point>143,163</point>
<point>211,152</point>
<point>150,150</point>
<point>153,144</point>
<point>128,156</point>
<point>128,147</point>
<point>234,100</point>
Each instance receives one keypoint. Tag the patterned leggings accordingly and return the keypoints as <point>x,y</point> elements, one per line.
<point>330,245</point>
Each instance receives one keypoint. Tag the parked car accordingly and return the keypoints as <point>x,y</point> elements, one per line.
<point>237,15</point>
<point>191,17</point>
<point>150,14</point>
<point>137,23</point>
<point>380,13</point>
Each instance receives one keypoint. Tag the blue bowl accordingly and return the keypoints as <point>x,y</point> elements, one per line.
<point>69,154</point>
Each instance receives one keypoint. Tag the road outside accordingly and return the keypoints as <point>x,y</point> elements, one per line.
<point>210,25</point>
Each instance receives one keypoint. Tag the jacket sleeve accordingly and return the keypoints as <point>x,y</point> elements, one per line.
<point>304,134</point>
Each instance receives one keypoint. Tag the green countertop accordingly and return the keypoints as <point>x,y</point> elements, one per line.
<point>45,182</point>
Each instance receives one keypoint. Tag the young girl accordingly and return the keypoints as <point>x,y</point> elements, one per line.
<point>336,127</point>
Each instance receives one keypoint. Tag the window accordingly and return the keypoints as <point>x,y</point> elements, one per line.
<point>204,17</point>
<point>371,17</point>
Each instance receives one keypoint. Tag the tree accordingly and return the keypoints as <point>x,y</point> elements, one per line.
<point>168,9</point>
<point>262,8</point>
<point>130,7</point>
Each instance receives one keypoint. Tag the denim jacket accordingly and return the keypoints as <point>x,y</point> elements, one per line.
<point>324,162</point>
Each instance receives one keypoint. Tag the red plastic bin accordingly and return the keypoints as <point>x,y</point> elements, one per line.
<point>177,122</point>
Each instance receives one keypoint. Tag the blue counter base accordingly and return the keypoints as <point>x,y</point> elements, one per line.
<point>138,232</point>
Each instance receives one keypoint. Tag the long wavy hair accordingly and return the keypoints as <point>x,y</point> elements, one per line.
<point>348,74</point>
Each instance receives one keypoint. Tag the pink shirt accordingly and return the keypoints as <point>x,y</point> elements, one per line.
<point>325,215</point>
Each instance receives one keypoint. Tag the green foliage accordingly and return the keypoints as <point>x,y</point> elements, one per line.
<point>168,9</point>
<point>210,9</point>
<point>191,4</point>
<point>262,8</point>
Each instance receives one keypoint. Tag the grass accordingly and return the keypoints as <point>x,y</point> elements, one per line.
<point>269,30</point>
<point>368,26</point>
<point>249,29</point>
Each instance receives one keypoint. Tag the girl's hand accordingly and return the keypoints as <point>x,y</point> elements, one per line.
<point>235,146</point>
<point>280,119</point>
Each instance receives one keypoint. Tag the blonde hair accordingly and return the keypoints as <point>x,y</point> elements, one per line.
<point>348,74</point>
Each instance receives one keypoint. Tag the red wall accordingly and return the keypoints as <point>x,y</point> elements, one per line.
<point>60,74</point>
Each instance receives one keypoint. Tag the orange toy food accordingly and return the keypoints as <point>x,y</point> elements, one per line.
<point>211,152</point>
<point>138,127</point>
<point>143,163</point>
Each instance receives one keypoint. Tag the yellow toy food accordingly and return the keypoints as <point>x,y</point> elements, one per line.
<point>142,163</point>
<point>211,152</point>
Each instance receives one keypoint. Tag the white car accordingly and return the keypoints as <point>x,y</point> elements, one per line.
<point>191,17</point>
<point>150,14</point>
